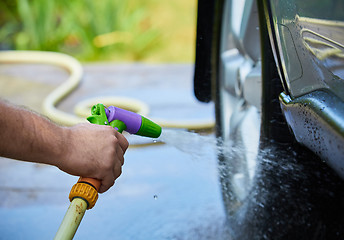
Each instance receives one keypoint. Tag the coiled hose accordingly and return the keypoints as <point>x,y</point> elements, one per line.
<point>82,109</point>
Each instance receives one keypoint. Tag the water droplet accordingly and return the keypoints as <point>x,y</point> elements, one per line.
<point>155,197</point>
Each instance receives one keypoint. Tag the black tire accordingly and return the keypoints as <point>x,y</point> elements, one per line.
<point>293,195</point>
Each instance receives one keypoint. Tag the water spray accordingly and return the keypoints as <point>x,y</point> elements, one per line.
<point>84,193</point>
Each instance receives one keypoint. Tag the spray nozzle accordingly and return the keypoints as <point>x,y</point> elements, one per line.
<point>134,123</point>
<point>98,115</point>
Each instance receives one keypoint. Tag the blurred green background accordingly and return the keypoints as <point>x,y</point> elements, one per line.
<point>102,30</point>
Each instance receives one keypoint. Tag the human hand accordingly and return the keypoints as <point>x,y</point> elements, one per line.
<point>94,151</point>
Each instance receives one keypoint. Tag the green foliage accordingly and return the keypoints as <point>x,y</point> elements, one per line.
<point>86,29</point>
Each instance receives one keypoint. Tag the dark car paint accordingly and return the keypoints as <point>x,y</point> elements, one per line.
<point>301,70</point>
<point>207,42</point>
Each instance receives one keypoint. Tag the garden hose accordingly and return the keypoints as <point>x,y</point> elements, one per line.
<point>84,194</point>
<point>82,108</point>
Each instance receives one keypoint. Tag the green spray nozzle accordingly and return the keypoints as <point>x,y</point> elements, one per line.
<point>134,123</point>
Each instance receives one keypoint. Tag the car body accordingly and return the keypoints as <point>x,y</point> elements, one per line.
<point>279,64</point>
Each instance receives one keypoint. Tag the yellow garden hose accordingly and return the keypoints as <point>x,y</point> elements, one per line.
<point>82,109</point>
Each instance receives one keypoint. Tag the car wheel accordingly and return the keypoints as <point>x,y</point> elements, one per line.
<point>272,187</point>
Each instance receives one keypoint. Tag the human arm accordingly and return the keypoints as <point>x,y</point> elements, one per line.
<point>86,150</point>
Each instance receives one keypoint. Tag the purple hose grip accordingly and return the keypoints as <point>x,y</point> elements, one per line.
<point>131,120</point>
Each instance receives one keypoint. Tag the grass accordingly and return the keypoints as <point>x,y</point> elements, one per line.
<point>104,30</point>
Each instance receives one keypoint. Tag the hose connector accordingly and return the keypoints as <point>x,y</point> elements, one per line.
<point>86,191</point>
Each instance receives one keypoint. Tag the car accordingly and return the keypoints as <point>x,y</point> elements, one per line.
<point>275,71</point>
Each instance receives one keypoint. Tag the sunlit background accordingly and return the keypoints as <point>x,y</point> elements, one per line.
<point>104,30</point>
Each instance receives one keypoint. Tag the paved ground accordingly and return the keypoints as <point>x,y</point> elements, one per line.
<point>165,192</point>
